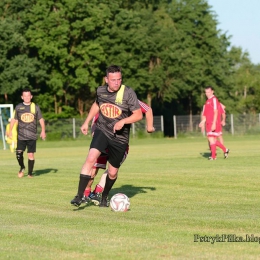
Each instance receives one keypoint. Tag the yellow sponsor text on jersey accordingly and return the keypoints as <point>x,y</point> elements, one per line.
<point>110,110</point>
<point>27,117</point>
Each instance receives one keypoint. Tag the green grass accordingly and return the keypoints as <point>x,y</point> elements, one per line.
<point>175,193</point>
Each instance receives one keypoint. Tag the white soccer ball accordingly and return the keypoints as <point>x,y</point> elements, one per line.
<point>120,202</point>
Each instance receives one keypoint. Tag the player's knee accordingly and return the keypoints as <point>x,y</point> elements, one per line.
<point>19,154</point>
<point>31,156</point>
<point>112,175</point>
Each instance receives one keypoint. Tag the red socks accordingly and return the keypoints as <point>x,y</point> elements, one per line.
<point>213,150</point>
<point>87,192</point>
<point>221,146</point>
<point>98,189</point>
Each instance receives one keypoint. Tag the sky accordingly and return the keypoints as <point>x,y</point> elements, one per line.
<point>241,20</point>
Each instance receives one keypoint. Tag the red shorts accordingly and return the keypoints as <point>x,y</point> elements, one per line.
<point>216,133</point>
<point>101,161</point>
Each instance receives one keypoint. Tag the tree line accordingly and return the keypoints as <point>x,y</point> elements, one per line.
<point>169,51</point>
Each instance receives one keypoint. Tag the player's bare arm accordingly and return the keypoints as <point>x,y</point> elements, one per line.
<point>223,121</point>
<point>149,121</point>
<point>202,122</point>
<point>92,112</point>
<point>136,116</point>
<point>43,134</point>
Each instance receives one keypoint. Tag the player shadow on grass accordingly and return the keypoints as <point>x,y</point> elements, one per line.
<point>206,155</point>
<point>131,190</point>
<point>44,171</point>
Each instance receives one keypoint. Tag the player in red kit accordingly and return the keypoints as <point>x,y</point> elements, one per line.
<point>211,115</point>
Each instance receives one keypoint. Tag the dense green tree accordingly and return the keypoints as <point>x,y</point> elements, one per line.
<point>201,56</point>
<point>245,82</point>
<point>65,34</point>
<point>139,41</point>
<point>17,68</point>
<point>169,51</point>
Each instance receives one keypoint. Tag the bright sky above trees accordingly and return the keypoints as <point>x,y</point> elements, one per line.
<point>241,19</point>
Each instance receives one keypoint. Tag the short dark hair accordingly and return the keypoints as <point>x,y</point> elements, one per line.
<point>209,87</point>
<point>26,90</point>
<point>113,69</point>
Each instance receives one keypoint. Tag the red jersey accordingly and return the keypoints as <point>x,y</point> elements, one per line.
<point>144,107</point>
<point>210,106</point>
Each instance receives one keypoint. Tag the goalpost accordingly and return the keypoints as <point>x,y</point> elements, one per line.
<point>6,112</point>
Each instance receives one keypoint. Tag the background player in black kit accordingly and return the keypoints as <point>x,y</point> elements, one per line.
<point>118,108</point>
<point>27,114</point>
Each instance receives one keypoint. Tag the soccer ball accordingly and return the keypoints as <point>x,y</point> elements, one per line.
<point>120,202</point>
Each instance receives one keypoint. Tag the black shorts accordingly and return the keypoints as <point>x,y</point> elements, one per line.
<point>116,151</point>
<point>30,144</point>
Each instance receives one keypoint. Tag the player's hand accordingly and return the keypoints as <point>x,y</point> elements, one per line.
<point>43,135</point>
<point>213,127</point>
<point>84,129</point>
<point>118,125</point>
<point>202,128</point>
<point>223,123</point>
<point>202,124</point>
<point>150,129</point>
<point>10,135</point>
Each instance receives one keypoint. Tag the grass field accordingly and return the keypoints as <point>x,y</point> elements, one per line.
<point>175,194</point>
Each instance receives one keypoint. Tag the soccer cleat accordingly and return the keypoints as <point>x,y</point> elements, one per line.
<point>21,172</point>
<point>30,176</point>
<point>86,199</point>
<point>77,201</point>
<point>104,202</point>
<point>212,159</point>
<point>226,154</point>
<point>95,198</point>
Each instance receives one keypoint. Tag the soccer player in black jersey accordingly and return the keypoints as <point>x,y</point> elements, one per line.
<point>27,114</point>
<point>118,108</point>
